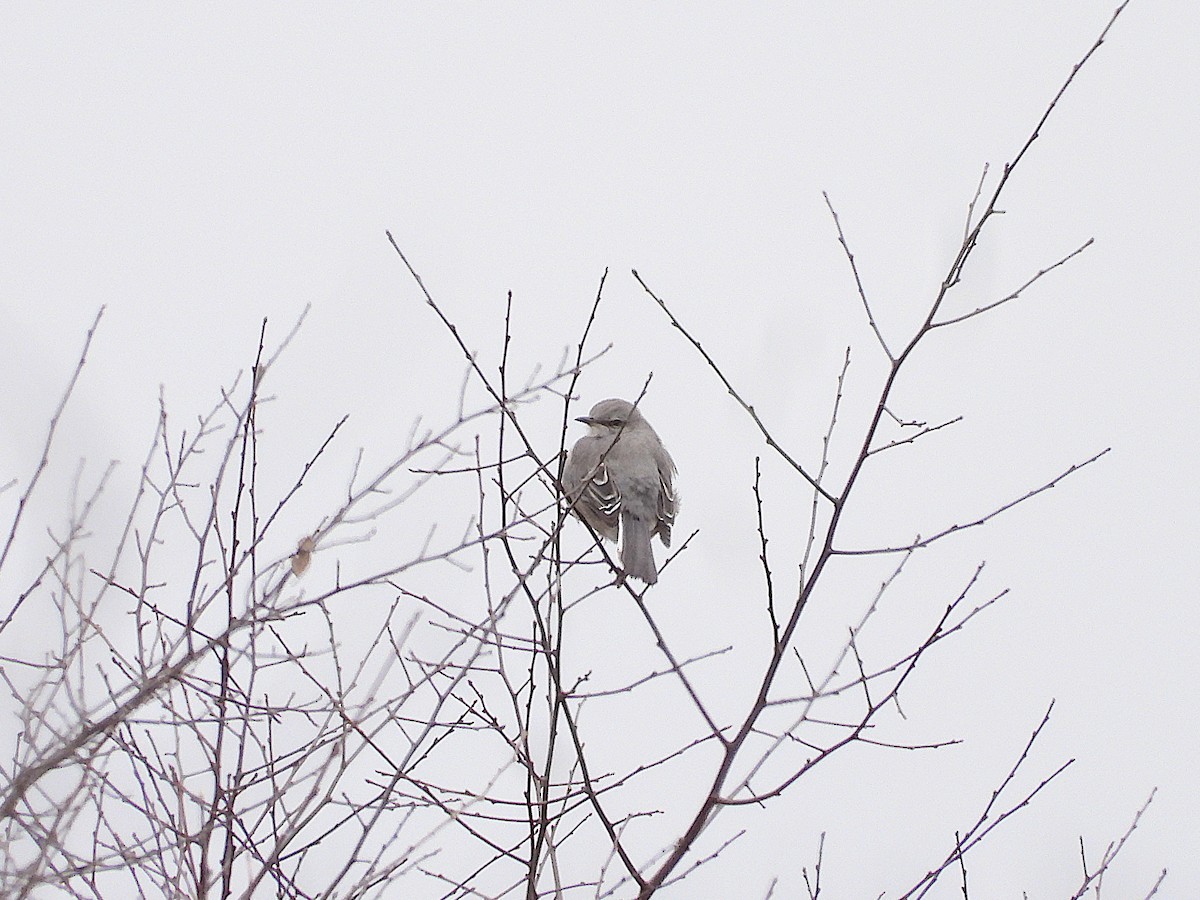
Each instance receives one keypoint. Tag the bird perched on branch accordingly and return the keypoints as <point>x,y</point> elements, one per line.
<point>620,478</point>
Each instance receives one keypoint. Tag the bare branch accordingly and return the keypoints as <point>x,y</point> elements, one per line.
<point>1096,878</point>
<point>1017,293</point>
<point>771,442</point>
<point>862,293</point>
<point>945,532</point>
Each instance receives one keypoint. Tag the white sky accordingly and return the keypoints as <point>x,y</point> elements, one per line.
<point>195,169</point>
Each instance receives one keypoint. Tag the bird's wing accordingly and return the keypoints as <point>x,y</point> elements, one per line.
<point>602,497</point>
<point>668,498</point>
<point>594,496</point>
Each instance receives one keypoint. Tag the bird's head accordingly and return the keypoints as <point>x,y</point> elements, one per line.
<point>610,416</point>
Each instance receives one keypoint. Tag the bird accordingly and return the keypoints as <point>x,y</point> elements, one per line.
<point>620,479</point>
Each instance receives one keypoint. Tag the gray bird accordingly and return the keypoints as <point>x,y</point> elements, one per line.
<point>620,477</point>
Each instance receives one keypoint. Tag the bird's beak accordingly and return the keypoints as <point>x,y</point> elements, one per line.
<point>586,420</point>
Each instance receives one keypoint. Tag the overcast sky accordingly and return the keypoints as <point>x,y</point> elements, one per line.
<point>194,169</point>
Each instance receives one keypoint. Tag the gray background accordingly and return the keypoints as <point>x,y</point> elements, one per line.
<point>196,169</point>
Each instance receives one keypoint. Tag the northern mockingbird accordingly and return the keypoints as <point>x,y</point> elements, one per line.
<point>619,477</point>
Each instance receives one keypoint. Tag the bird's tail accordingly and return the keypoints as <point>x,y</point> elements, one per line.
<point>636,556</point>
